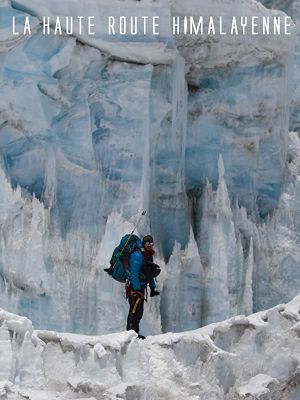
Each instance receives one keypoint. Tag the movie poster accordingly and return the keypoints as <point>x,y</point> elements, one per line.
<point>149,199</point>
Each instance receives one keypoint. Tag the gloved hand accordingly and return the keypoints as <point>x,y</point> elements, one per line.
<point>154,292</point>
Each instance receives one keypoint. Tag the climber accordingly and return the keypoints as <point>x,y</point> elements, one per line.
<point>142,272</point>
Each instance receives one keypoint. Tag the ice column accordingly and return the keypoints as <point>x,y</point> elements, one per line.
<point>181,305</point>
<point>219,251</point>
<point>247,304</point>
<point>169,210</point>
<point>5,354</point>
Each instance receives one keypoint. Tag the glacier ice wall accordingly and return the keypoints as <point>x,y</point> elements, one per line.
<point>92,131</point>
<point>244,266</point>
<point>39,277</point>
<point>251,357</point>
<point>292,8</point>
<point>236,108</point>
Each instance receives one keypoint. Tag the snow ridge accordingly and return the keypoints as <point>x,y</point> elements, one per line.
<point>241,357</point>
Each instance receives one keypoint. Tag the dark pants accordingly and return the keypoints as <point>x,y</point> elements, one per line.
<point>136,309</point>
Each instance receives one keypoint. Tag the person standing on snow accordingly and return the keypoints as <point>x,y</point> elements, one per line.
<point>142,271</point>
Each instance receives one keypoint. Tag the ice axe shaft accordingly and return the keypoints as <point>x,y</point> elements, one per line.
<point>131,233</point>
<point>138,222</point>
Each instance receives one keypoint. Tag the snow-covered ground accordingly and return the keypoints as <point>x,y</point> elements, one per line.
<point>254,357</point>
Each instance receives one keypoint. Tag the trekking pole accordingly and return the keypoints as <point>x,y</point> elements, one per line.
<point>111,268</point>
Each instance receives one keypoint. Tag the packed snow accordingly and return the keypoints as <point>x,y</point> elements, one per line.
<point>255,357</point>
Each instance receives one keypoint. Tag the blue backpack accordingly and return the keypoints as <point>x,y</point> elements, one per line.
<point>119,262</point>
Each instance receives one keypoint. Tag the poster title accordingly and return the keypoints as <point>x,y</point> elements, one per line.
<point>146,25</point>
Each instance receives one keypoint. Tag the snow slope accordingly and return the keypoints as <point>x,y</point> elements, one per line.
<point>254,357</point>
